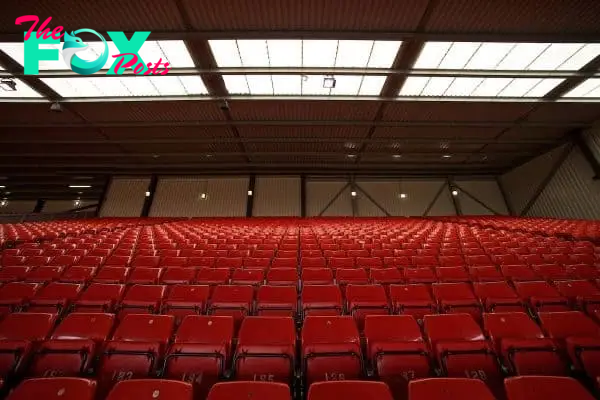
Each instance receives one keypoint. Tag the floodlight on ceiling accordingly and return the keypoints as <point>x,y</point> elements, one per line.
<point>454,192</point>
<point>80,186</point>
<point>148,194</point>
<point>202,196</point>
<point>351,155</point>
<point>329,82</point>
<point>8,85</point>
<point>397,156</point>
<point>3,203</point>
<point>446,156</point>
<point>77,203</point>
<point>403,195</point>
<point>353,193</point>
<point>2,187</point>
<point>250,193</point>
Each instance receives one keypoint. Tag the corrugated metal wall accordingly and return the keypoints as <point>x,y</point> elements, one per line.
<point>487,192</point>
<point>18,207</point>
<point>592,138</point>
<point>181,197</point>
<point>125,197</point>
<point>57,206</point>
<point>276,196</point>
<point>320,193</point>
<point>521,183</point>
<point>572,192</point>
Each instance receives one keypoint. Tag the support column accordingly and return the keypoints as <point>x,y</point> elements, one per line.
<point>250,201</point>
<point>149,199</point>
<point>303,196</point>
<point>103,196</point>
<point>39,206</point>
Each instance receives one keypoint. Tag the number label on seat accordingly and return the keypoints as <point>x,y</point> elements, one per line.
<point>122,375</point>
<point>192,378</point>
<point>264,377</point>
<point>334,376</point>
<point>476,374</point>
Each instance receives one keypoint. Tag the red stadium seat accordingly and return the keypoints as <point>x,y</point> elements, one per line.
<point>254,277</point>
<point>521,342</point>
<point>233,300</point>
<point>498,297</point>
<point>73,346</point>
<point>541,296</point>
<point>183,300</point>
<point>313,262</point>
<point>112,275</point>
<point>485,274</point>
<point>545,388</point>
<point>78,274</point>
<point>341,262</point>
<point>230,262</point>
<point>581,293</point>
<point>146,261</point>
<point>331,349</point>
<point>451,261</point>
<point>345,276</point>
<point>15,295</point>
<point>317,276</point>
<point>213,276</point>
<point>449,389</point>
<point>55,389</point>
<point>144,276</point>
<point>135,349</point>
<point>277,301</point>
<point>386,276</point>
<point>457,298</point>
<point>151,389</point>
<point>364,300</point>
<point>452,274</point>
<point>249,390</point>
<point>142,299</point>
<point>321,300</point>
<point>19,334</point>
<point>44,274</point>
<point>64,261</point>
<point>360,390</point>
<point>55,297</point>
<point>99,297</point>
<point>412,300</point>
<point>257,263</point>
<point>461,349</point>
<point>197,262</point>
<point>14,273</point>
<point>396,350</point>
<point>284,263</point>
<point>178,275</point>
<point>419,275</point>
<point>201,351</point>
<point>369,262</point>
<point>266,350</point>
<point>517,273</point>
<point>282,277</point>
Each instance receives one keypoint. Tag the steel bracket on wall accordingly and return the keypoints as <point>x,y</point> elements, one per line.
<point>434,200</point>
<point>455,201</point>
<point>337,195</point>
<point>475,199</point>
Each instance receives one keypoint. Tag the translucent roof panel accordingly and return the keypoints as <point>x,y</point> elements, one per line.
<point>477,87</point>
<point>23,90</point>
<point>129,86</point>
<point>307,85</point>
<point>173,51</point>
<point>589,88</point>
<point>506,56</point>
<point>304,53</point>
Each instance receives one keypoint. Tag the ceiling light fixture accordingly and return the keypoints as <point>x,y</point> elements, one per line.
<point>250,193</point>
<point>8,85</point>
<point>148,194</point>
<point>56,107</point>
<point>353,193</point>
<point>403,195</point>
<point>350,155</point>
<point>2,187</point>
<point>455,192</point>
<point>447,156</point>
<point>329,82</point>
<point>3,203</point>
<point>397,156</point>
<point>202,196</point>
<point>77,203</point>
<point>80,186</point>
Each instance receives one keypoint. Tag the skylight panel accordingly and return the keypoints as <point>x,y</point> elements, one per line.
<point>589,88</point>
<point>319,53</point>
<point>346,85</point>
<point>305,53</point>
<point>383,53</point>
<point>437,86</point>
<point>313,85</point>
<point>477,87</point>
<point>459,55</point>
<point>463,86</point>
<point>126,86</point>
<point>353,53</point>
<point>172,51</point>
<point>226,53</point>
<point>285,53</point>
<point>414,85</point>
<point>22,90</point>
<point>236,84</point>
<point>287,84</point>
<point>253,53</point>
<point>506,56</point>
<point>371,85</point>
<point>260,84</point>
